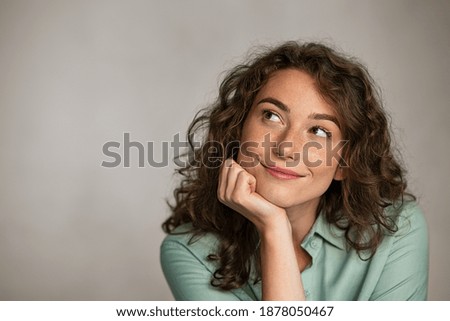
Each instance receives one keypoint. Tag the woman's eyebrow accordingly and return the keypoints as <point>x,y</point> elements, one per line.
<point>317,116</point>
<point>275,102</point>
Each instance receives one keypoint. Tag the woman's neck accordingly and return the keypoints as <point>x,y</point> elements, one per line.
<point>302,218</point>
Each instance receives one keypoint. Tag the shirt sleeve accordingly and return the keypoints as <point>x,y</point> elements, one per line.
<point>189,276</point>
<point>405,274</point>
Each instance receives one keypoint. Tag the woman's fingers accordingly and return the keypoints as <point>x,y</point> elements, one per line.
<point>228,179</point>
<point>245,184</point>
<point>236,186</point>
<point>223,179</point>
<point>237,190</point>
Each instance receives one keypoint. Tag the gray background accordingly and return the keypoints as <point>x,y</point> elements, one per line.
<point>77,74</point>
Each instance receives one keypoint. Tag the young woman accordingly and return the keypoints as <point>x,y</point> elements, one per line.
<point>296,192</point>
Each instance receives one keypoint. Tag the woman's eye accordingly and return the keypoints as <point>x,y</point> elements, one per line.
<point>321,132</point>
<point>271,116</point>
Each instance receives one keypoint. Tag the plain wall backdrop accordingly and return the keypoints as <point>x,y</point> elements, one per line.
<point>77,74</point>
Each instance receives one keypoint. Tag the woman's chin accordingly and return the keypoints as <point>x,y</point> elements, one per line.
<point>276,198</point>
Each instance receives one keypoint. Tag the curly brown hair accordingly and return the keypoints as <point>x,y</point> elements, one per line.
<point>374,178</point>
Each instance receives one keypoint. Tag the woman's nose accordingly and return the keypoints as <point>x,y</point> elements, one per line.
<point>288,147</point>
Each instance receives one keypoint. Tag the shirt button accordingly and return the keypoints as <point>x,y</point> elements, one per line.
<point>307,293</point>
<point>314,244</point>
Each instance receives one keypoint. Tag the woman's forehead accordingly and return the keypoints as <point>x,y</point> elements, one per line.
<point>294,88</point>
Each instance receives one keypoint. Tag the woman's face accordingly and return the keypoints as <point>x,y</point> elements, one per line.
<point>291,141</point>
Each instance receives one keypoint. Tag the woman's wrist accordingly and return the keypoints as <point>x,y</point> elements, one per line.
<point>275,226</point>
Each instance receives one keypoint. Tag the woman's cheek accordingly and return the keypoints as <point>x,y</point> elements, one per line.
<point>313,157</point>
<point>248,157</point>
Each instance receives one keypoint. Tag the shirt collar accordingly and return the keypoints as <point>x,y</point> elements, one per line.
<point>329,232</point>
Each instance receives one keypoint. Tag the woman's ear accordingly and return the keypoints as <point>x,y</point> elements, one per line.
<point>339,175</point>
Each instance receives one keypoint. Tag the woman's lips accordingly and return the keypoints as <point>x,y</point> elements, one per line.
<point>282,173</point>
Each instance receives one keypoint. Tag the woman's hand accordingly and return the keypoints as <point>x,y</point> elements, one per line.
<point>237,190</point>
<point>279,269</point>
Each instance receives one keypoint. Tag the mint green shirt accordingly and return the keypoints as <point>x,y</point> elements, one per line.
<point>398,270</point>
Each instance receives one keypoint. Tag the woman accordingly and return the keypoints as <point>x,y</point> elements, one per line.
<point>296,192</point>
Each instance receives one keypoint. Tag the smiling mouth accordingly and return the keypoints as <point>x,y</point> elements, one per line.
<point>282,173</point>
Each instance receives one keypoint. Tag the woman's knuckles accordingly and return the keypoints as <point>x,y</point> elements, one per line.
<point>238,198</point>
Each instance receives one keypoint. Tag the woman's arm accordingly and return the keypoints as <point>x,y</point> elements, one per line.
<point>281,278</point>
<point>280,272</point>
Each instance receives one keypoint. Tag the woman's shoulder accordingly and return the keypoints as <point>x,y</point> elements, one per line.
<point>409,217</point>
<point>406,250</point>
<point>411,225</point>
<point>184,239</point>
